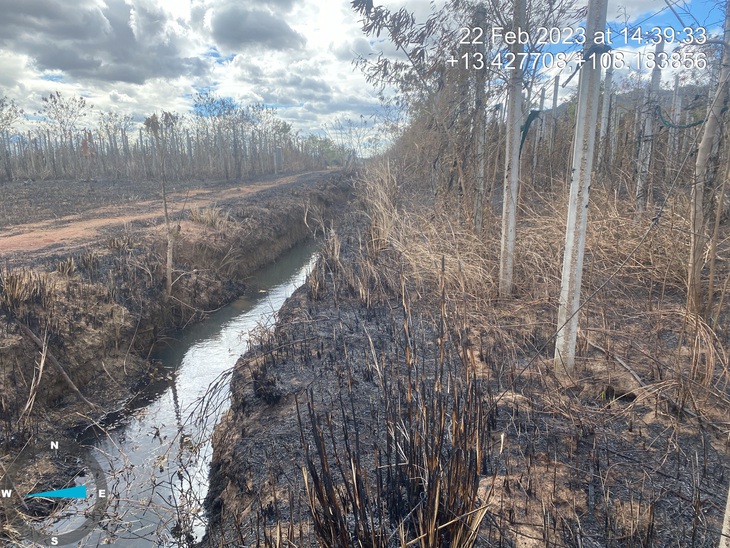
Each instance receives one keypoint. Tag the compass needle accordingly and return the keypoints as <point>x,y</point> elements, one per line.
<point>53,517</point>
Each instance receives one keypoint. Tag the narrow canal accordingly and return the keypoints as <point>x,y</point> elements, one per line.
<point>157,452</point>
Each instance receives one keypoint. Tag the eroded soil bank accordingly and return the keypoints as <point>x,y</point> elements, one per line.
<point>96,305</point>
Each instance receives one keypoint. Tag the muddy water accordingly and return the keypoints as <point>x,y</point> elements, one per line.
<point>158,451</point>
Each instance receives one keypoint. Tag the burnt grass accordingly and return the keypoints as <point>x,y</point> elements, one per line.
<point>368,396</point>
<point>101,309</point>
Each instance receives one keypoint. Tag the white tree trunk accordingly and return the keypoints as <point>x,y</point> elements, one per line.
<point>538,136</point>
<point>674,132</point>
<point>480,127</point>
<point>703,176</point>
<point>604,141</point>
<point>512,163</point>
<point>575,233</point>
<point>647,138</point>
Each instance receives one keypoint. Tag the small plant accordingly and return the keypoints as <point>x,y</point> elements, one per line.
<point>264,385</point>
<point>22,288</point>
<point>212,216</point>
<point>66,267</point>
<point>120,244</point>
<point>89,262</point>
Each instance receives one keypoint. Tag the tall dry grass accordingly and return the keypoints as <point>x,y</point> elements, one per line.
<point>634,288</point>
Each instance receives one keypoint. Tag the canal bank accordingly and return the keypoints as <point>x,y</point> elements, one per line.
<point>101,315</point>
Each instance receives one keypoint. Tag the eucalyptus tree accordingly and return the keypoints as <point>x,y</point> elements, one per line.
<point>705,173</point>
<point>583,149</point>
<point>9,115</point>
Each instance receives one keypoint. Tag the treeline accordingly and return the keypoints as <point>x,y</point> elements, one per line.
<point>218,140</point>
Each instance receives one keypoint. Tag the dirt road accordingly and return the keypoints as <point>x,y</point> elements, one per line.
<point>56,217</point>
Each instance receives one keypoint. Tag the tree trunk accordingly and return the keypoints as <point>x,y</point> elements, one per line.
<point>538,137</point>
<point>575,233</point>
<point>512,162</point>
<point>480,123</point>
<point>647,138</point>
<point>604,154</point>
<point>703,178</point>
<point>674,132</point>
<point>169,230</point>
<point>553,125</point>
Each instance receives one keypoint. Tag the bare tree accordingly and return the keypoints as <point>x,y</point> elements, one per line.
<point>647,136</point>
<point>9,114</point>
<point>152,123</point>
<point>481,130</point>
<point>64,113</point>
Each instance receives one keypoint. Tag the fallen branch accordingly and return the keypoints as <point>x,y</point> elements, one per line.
<point>650,389</point>
<point>27,330</point>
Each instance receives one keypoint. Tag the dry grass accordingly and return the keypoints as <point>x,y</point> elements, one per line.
<point>213,217</point>
<point>644,362</point>
<point>22,288</point>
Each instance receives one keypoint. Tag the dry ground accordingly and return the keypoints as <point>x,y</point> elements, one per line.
<point>61,216</point>
<point>397,326</point>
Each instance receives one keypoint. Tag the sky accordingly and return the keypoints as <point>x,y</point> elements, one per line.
<point>143,56</point>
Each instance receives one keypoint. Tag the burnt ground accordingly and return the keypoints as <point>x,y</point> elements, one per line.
<point>86,275</point>
<point>596,461</point>
<point>57,216</point>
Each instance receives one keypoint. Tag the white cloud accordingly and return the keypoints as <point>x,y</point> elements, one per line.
<point>138,56</point>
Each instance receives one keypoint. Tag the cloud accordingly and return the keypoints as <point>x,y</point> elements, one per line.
<point>235,27</point>
<point>13,67</point>
<point>141,56</point>
<point>116,41</point>
<point>348,50</point>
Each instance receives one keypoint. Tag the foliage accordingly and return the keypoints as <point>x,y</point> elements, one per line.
<point>114,123</point>
<point>9,113</point>
<point>209,105</point>
<point>64,114</point>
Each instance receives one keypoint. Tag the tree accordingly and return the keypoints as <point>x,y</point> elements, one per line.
<point>583,147</point>
<point>512,160</point>
<point>704,175</point>
<point>481,134</point>
<point>647,136</point>
<point>152,124</point>
<point>64,114</point>
<point>114,123</point>
<point>208,104</point>
<point>9,114</point>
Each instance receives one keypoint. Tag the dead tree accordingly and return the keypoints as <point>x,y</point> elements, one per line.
<point>647,137</point>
